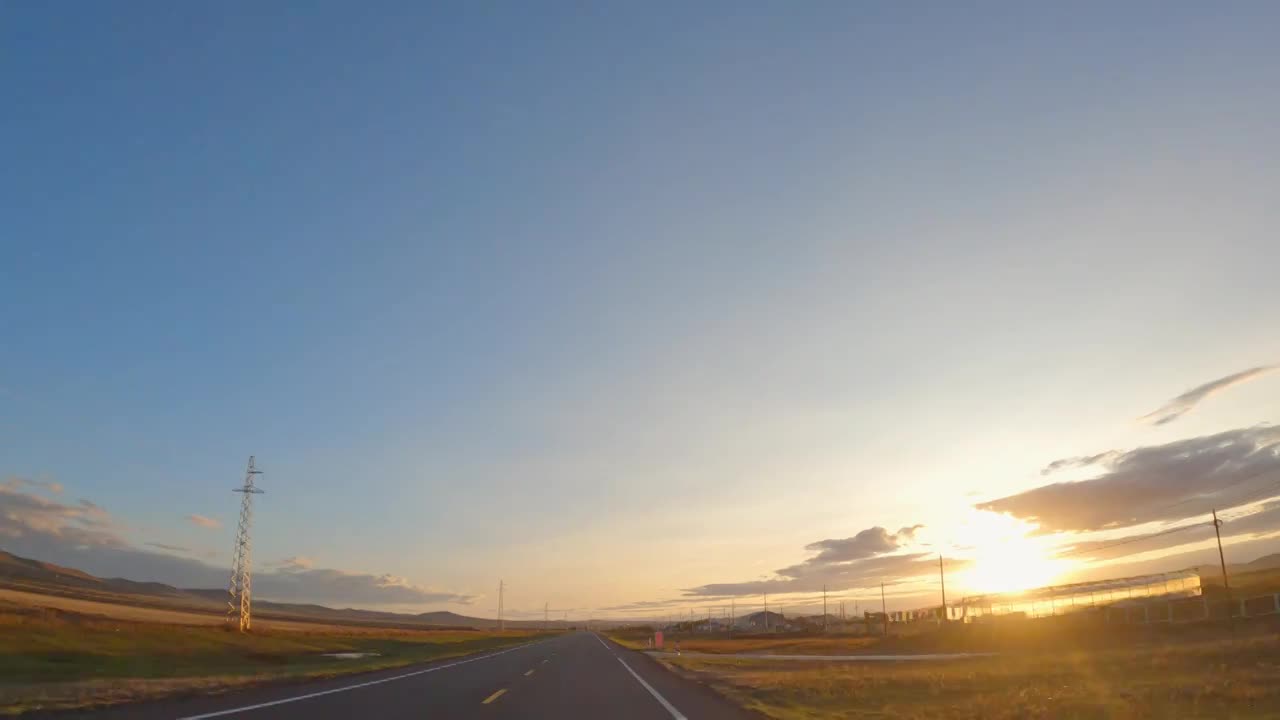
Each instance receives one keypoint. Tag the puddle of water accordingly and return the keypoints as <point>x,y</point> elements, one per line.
<point>351,655</point>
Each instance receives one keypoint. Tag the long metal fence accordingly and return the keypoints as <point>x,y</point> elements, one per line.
<point>1065,599</point>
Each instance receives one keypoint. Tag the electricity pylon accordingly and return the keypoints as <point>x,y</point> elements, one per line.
<point>240,588</point>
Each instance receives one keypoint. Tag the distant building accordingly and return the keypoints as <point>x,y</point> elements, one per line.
<point>761,622</point>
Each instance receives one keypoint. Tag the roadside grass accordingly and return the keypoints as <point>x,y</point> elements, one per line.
<point>1216,679</point>
<point>774,644</point>
<point>51,658</point>
<point>1079,631</point>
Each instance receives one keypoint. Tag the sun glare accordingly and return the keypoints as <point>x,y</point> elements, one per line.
<point>1005,557</point>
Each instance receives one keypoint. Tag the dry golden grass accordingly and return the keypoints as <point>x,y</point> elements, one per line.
<point>770,644</point>
<point>1199,680</point>
<point>128,611</point>
<point>51,657</point>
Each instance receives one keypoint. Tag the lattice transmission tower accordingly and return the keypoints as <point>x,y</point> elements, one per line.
<point>242,557</point>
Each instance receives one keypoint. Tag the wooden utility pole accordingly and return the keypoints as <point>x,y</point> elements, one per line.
<point>1222,560</point>
<point>824,608</point>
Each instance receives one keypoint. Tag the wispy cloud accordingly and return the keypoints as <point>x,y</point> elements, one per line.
<point>204,522</point>
<point>19,482</point>
<point>338,586</point>
<point>1188,400</point>
<point>295,563</point>
<point>83,535</point>
<point>170,548</point>
<point>1161,483</point>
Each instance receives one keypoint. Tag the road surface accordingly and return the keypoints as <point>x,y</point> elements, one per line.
<point>579,675</point>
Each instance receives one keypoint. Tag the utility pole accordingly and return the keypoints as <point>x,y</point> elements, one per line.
<point>501,625</point>
<point>824,608</point>
<point>766,612</point>
<point>240,588</point>
<point>731,609</point>
<point>884,612</point>
<point>943,579</point>
<point>546,617</point>
<point>1222,559</point>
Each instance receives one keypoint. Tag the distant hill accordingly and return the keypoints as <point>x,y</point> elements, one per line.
<point>27,574</point>
<point>1213,571</point>
<point>13,566</point>
<point>1260,576</point>
<point>1266,562</point>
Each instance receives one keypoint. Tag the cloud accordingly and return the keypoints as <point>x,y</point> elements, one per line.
<point>204,522</point>
<point>295,563</point>
<point>347,588</point>
<point>25,514</point>
<point>83,535</point>
<point>171,548</point>
<point>861,561</point>
<point>646,605</point>
<point>15,483</point>
<point>1161,483</point>
<point>1079,462</point>
<point>1264,520</point>
<point>869,542</point>
<point>1187,401</point>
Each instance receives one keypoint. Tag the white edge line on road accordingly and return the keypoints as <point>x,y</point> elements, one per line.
<point>658,696</point>
<point>345,688</point>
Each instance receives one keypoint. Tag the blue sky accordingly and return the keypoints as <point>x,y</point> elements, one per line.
<point>617,301</point>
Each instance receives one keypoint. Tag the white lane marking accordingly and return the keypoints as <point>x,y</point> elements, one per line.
<point>676,714</point>
<point>345,688</point>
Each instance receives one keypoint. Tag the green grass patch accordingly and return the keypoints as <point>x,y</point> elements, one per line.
<point>50,658</point>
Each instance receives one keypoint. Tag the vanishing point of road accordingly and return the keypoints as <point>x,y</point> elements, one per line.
<point>579,675</point>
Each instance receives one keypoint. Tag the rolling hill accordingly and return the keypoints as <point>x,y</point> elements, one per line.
<point>36,576</point>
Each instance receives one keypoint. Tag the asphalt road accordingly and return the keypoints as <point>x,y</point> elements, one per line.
<point>580,675</point>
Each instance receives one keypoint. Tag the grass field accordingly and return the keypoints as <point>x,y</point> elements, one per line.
<point>1072,667</point>
<point>775,644</point>
<point>1215,679</point>
<point>57,658</point>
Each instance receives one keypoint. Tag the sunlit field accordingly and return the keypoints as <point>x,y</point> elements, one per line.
<point>779,644</point>
<point>52,658</point>
<point>1205,680</point>
<point>1066,667</point>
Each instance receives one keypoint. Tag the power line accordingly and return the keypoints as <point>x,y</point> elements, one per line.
<point>1126,541</point>
<point>1150,536</point>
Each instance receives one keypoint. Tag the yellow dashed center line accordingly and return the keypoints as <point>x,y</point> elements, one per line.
<point>494,696</point>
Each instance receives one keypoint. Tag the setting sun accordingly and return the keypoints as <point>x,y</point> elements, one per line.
<point>1005,556</point>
